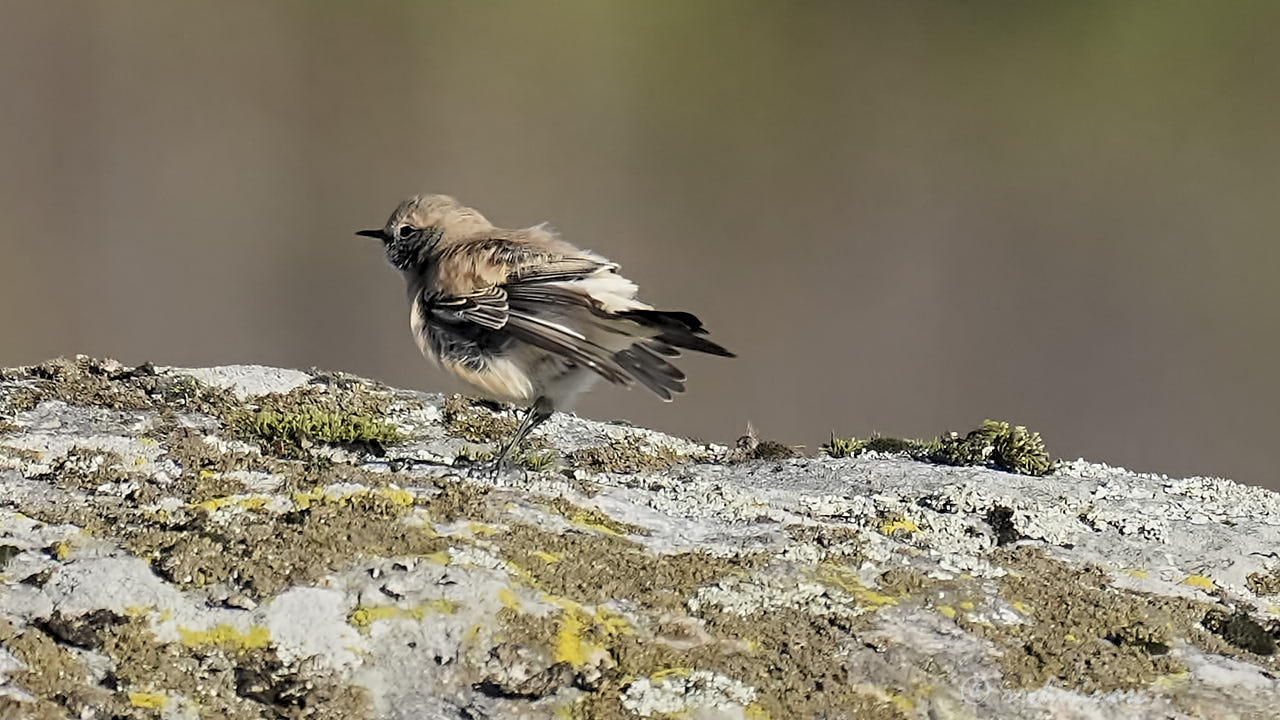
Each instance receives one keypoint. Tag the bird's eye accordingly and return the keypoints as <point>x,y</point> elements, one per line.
<point>405,231</point>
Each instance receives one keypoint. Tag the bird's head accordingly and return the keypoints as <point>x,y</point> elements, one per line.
<point>422,223</point>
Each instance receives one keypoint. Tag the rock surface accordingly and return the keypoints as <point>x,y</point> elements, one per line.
<point>248,542</point>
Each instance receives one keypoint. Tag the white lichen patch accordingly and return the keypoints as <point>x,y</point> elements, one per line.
<point>1128,522</point>
<point>683,493</point>
<point>1219,500</point>
<point>230,447</point>
<point>37,453</point>
<point>312,623</point>
<point>679,692</point>
<point>743,597</point>
<point>412,418</point>
<point>256,481</point>
<point>838,507</point>
<point>247,381</point>
<point>469,555</point>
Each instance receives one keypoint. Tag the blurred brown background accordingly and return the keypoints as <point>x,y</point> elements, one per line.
<point>905,217</point>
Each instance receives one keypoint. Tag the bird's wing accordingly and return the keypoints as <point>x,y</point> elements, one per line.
<point>489,309</point>
<point>486,307</point>
<point>571,303</point>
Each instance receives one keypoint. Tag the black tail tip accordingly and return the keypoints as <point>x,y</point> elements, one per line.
<point>679,329</point>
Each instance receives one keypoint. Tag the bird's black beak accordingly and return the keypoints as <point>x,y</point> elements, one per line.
<point>379,234</point>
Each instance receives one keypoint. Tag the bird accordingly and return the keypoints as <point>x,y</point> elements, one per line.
<point>524,317</point>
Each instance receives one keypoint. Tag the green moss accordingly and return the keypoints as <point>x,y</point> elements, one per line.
<point>843,447</point>
<point>774,450</point>
<point>539,461</point>
<point>1008,447</point>
<point>750,447</point>
<point>852,447</point>
<point>626,455</point>
<point>994,443</point>
<point>289,423</point>
<point>289,433</point>
<point>474,455</point>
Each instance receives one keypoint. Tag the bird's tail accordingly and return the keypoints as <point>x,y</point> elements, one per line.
<point>677,330</point>
<point>621,345</point>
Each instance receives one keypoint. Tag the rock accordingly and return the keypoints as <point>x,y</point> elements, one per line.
<point>251,542</point>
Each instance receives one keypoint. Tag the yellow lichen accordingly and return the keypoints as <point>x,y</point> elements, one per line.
<point>848,581</point>
<point>889,527</point>
<point>674,672</point>
<point>902,702</point>
<point>509,598</point>
<point>62,549</point>
<point>1198,581</point>
<point>365,615</point>
<point>152,701</point>
<point>582,522</point>
<point>226,637</point>
<point>571,643</point>
<point>570,646</point>
<point>397,495</point>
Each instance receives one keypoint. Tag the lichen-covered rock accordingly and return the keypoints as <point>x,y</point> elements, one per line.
<point>250,542</point>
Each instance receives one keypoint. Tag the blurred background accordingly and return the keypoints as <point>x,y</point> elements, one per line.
<point>904,217</point>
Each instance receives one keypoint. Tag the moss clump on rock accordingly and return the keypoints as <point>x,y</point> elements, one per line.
<point>999,444</point>
<point>628,455</point>
<point>852,447</point>
<point>289,433</point>
<point>994,443</point>
<point>289,423</point>
<point>751,447</point>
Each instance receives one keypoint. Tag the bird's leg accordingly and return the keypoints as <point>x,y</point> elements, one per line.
<point>538,412</point>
